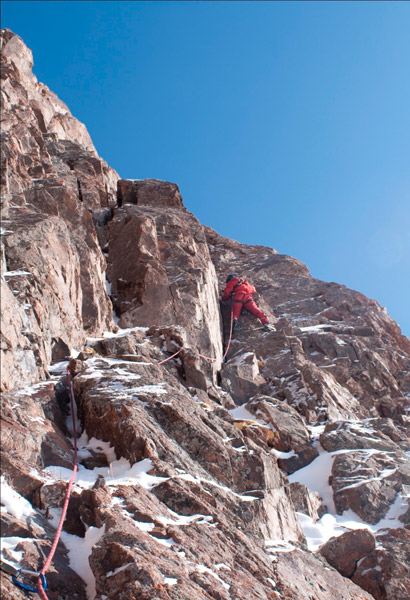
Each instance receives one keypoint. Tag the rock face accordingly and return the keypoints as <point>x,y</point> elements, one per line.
<point>344,552</point>
<point>53,184</point>
<point>161,273</point>
<point>385,573</point>
<point>182,491</point>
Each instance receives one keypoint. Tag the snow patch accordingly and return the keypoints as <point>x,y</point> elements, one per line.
<point>200,480</point>
<point>361,480</point>
<point>316,476</point>
<point>119,472</point>
<point>184,519</point>
<point>168,542</point>
<point>241,359</point>
<point>15,273</point>
<point>9,544</point>
<point>59,368</point>
<point>314,327</point>
<point>279,454</point>
<point>120,333</point>
<point>119,569</point>
<point>13,503</point>
<point>204,569</point>
<point>79,550</point>
<point>242,414</point>
<point>85,446</point>
<point>273,546</point>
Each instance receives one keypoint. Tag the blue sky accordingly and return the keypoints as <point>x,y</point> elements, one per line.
<point>285,124</point>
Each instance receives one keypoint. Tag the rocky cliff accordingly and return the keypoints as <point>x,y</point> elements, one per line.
<point>279,472</point>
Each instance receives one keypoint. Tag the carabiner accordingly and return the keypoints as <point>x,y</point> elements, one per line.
<point>26,587</point>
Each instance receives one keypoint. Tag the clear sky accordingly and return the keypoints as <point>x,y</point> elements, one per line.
<point>285,124</point>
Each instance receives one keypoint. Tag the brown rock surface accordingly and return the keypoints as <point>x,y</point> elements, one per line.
<point>385,573</point>
<point>315,579</point>
<point>329,368</point>
<point>344,552</point>
<point>161,273</point>
<point>52,179</point>
<point>305,501</point>
<point>369,469</point>
<point>181,492</point>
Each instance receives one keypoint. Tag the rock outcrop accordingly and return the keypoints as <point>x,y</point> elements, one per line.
<point>207,469</point>
<point>54,189</point>
<point>161,274</point>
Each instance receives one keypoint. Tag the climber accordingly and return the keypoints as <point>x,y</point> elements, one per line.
<point>241,293</point>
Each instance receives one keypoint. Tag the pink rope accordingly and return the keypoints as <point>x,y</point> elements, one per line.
<point>67,494</point>
<point>205,357</point>
<point>75,467</point>
<point>169,357</point>
<point>230,336</point>
<point>202,355</point>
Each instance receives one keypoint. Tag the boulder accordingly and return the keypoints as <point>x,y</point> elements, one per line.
<point>344,552</point>
<point>384,573</point>
<point>149,192</point>
<point>242,379</point>
<point>161,274</point>
<point>305,501</point>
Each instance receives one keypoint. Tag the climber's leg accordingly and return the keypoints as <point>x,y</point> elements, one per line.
<point>252,307</point>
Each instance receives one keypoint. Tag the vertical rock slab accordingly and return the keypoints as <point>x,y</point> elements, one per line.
<point>53,286</point>
<point>160,269</point>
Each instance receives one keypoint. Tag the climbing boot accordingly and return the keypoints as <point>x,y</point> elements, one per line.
<point>269,327</point>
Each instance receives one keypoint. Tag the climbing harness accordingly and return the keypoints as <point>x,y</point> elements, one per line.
<point>41,579</point>
<point>246,301</point>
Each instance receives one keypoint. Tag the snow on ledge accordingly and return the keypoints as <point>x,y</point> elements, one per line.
<point>119,472</point>
<point>13,503</point>
<point>314,327</point>
<point>79,550</point>
<point>15,273</point>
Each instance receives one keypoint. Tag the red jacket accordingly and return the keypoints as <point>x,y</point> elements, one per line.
<point>232,286</point>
